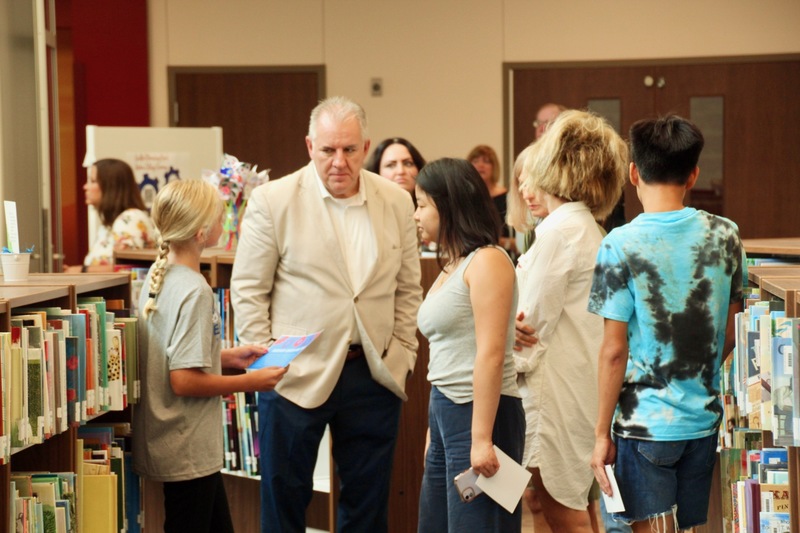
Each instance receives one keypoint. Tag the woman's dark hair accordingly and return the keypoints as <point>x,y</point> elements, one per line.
<point>119,189</point>
<point>468,219</point>
<point>374,163</point>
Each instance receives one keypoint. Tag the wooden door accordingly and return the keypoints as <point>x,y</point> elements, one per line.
<point>758,120</point>
<point>263,112</point>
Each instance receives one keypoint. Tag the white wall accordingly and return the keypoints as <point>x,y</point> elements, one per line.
<point>20,156</point>
<point>441,60</point>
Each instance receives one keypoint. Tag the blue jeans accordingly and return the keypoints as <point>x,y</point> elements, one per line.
<point>655,476</point>
<point>364,417</point>
<point>440,508</point>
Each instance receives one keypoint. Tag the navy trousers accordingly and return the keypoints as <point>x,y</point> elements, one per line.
<point>363,417</point>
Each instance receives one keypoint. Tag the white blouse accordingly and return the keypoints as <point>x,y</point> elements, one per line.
<point>560,371</point>
<point>132,229</point>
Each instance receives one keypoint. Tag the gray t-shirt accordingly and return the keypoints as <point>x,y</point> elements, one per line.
<point>446,320</point>
<point>178,438</point>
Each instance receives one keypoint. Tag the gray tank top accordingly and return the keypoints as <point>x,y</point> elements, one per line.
<point>445,318</point>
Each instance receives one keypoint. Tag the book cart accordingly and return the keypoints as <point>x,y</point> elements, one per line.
<point>58,452</point>
<point>244,490</point>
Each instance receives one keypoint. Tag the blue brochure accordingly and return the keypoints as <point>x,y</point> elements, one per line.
<point>284,350</point>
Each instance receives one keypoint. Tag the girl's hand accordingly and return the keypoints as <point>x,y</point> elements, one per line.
<point>483,459</point>
<point>265,379</point>
<point>241,357</point>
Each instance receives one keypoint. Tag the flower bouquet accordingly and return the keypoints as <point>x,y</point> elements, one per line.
<point>235,180</point>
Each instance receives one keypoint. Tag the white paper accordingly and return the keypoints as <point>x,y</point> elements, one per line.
<point>12,230</point>
<point>614,502</point>
<point>508,484</point>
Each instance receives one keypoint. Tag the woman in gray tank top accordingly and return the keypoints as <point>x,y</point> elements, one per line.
<point>468,318</point>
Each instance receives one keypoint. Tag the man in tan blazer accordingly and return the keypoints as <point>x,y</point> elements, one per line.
<point>331,248</point>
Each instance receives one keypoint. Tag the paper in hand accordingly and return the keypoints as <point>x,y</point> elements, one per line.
<point>614,502</point>
<point>284,350</point>
<point>508,484</point>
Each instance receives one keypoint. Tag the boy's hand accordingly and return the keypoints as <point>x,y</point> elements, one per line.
<point>605,453</point>
<point>525,335</point>
<point>265,379</point>
<point>241,357</point>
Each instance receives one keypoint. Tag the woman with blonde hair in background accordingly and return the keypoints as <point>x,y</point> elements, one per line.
<point>572,177</point>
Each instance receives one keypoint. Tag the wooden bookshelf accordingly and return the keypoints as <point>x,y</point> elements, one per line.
<point>785,289</point>
<point>783,283</point>
<point>769,247</point>
<point>208,262</point>
<point>56,453</point>
<point>756,273</point>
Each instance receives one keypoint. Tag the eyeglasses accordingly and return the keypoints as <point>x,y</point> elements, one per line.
<point>539,123</point>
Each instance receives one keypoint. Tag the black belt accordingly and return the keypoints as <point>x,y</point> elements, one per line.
<point>354,351</point>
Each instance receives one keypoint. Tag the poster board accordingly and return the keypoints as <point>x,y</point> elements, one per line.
<point>156,155</point>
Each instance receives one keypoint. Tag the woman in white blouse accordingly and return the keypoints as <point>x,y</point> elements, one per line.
<point>112,190</point>
<point>572,177</point>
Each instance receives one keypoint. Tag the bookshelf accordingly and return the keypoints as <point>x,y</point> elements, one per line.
<point>777,283</point>
<point>58,452</point>
<point>756,273</point>
<point>772,247</point>
<point>243,491</point>
<point>787,289</point>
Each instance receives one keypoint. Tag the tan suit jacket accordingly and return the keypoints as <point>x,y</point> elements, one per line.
<point>290,278</point>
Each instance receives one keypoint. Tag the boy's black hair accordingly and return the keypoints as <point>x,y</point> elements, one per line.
<point>665,150</point>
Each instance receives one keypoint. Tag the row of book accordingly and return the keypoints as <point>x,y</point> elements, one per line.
<point>756,495</point>
<point>759,389</point>
<point>240,428</point>
<point>223,302</point>
<point>762,419</point>
<point>102,496</point>
<point>60,368</point>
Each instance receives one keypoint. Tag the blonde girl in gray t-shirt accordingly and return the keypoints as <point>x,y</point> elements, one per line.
<point>177,435</point>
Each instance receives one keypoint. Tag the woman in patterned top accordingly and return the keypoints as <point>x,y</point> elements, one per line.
<point>111,189</point>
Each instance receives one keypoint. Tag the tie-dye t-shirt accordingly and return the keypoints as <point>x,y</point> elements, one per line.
<point>671,276</point>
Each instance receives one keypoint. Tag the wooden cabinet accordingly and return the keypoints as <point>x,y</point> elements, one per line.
<point>56,453</point>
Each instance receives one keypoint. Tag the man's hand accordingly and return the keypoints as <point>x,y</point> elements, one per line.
<point>525,335</point>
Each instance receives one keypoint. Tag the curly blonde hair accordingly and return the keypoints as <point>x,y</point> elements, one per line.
<point>579,158</point>
<point>180,210</point>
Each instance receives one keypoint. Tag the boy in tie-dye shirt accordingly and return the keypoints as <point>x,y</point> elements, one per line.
<point>668,286</point>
